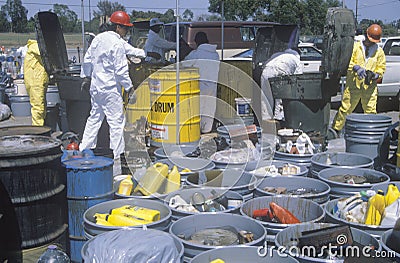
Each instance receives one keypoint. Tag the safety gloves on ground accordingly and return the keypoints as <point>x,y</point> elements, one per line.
<point>361,73</point>
<point>85,84</point>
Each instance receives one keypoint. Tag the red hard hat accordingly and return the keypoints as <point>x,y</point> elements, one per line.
<point>374,33</point>
<point>121,18</point>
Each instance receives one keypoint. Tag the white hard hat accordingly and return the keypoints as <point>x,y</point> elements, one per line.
<point>155,21</point>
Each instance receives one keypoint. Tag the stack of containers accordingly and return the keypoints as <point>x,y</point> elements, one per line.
<point>89,182</point>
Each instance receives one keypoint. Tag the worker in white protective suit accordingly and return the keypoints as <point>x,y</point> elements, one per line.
<point>281,63</point>
<point>21,53</point>
<point>105,69</point>
<point>200,58</point>
<point>155,46</point>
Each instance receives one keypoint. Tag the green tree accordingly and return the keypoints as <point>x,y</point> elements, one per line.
<point>68,18</point>
<point>30,27</point>
<point>187,15</point>
<point>16,15</point>
<point>167,17</point>
<point>286,11</point>
<point>4,23</point>
<point>106,8</point>
<point>207,17</point>
<point>315,16</point>
<point>142,16</point>
<point>238,9</point>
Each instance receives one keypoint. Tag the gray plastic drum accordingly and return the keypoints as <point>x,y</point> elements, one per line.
<point>236,200</point>
<point>189,225</point>
<point>236,180</point>
<point>293,183</point>
<point>173,151</point>
<point>195,165</point>
<point>178,243</point>
<point>298,159</point>
<point>375,231</point>
<point>339,189</point>
<point>279,165</point>
<point>241,254</point>
<point>321,161</point>
<point>384,186</point>
<point>367,122</point>
<point>293,232</point>
<point>305,210</point>
<point>94,229</point>
<point>384,239</point>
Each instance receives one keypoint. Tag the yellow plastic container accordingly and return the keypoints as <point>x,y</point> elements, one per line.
<point>376,208</point>
<point>152,180</point>
<point>103,222</point>
<point>142,106</point>
<point>143,213</point>
<point>174,180</point>
<point>125,187</point>
<point>163,121</point>
<point>392,194</point>
<point>125,220</point>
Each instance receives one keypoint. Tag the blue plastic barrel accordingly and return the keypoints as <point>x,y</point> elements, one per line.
<point>89,182</point>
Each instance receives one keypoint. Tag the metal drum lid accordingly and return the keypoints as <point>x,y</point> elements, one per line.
<point>89,163</point>
<point>25,130</point>
<point>23,145</point>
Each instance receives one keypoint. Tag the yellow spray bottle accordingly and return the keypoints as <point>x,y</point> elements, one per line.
<point>174,180</point>
<point>392,194</point>
<point>376,208</point>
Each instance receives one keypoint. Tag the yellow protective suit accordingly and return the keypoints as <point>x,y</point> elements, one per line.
<point>355,89</point>
<point>36,82</point>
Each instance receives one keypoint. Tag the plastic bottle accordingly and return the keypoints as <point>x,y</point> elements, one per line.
<point>53,255</point>
<point>125,187</point>
<point>220,198</point>
<point>174,180</point>
<point>153,179</point>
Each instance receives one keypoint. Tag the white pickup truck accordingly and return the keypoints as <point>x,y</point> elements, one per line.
<point>390,87</point>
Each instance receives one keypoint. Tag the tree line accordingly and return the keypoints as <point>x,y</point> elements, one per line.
<point>308,14</point>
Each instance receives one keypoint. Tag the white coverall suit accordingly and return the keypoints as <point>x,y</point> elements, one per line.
<point>156,44</point>
<point>208,82</point>
<point>105,62</point>
<point>281,63</point>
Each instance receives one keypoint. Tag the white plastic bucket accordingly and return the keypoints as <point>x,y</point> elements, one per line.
<point>243,106</point>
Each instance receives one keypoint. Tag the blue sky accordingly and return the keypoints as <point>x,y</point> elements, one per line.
<point>385,10</point>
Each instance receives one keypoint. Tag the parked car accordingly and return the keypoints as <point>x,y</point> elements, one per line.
<point>382,43</point>
<point>389,89</point>
<point>238,35</point>
<point>310,57</point>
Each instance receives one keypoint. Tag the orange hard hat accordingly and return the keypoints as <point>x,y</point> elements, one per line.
<point>121,18</point>
<point>374,33</point>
